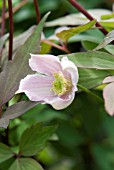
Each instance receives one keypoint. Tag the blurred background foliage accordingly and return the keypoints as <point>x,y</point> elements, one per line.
<point>25,16</point>
<point>84,139</point>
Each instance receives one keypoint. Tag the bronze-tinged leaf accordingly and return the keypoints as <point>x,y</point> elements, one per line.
<point>14,111</point>
<point>19,67</point>
<point>2,40</point>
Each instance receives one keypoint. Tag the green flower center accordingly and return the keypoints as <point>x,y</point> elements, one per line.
<point>61,85</point>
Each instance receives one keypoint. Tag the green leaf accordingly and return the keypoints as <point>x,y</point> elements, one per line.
<point>72,19</point>
<point>19,67</point>
<point>108,24</point>
<point>88,45</point>
<point>5,152</point>
<point>108,39</point>
<point>78,18</point>
<point>90,35</point>
<point>66,34</point>
<point>110,49</point>
<point>103,155</point>
<point>34,139</point>
<point>94,60</point>
<point>108,16</point>
<point>25,164</point>
<point>45,48</point>
<point>90,78</point>
<point>6,164</point>
<point>14,111</point>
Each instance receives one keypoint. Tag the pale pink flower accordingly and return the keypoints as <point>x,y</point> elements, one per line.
<point>54,83</point>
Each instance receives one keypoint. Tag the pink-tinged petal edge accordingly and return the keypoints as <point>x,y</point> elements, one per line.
<point>108,79</point>
<point>37,87</point>
<point>59,103</point>
<point>70,67</point>
<point>45,64</point>
<point>108,95</point>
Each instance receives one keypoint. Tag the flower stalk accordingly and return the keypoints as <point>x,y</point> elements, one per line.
<point>3,23</point>
<point>0,111</point>
<point>15,9</point>
<point>37,11</point>
<point>83,11</point>
<point>90,93</point>
<point>10,29</point>
<point>62,48</point>
<point>3,18</point>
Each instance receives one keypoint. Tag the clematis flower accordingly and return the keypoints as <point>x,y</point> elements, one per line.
<point>54,83</point>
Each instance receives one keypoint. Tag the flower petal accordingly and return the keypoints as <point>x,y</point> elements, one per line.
<point>59,103</point>
<point>45,64</point>
<point>37,87</point>
<point>70,67</point>
<point>108,79</point>
<point>108,95</point>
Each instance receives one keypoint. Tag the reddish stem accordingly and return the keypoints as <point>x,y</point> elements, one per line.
<point>62,48</point>
<point>3,17</point>
<point>3,23</point>
<point>82,10</point>
<point>15,9</point>
<point>37,11</point>
<point>7,136</point>
<point>0,111</point>
<point>10,29</point>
